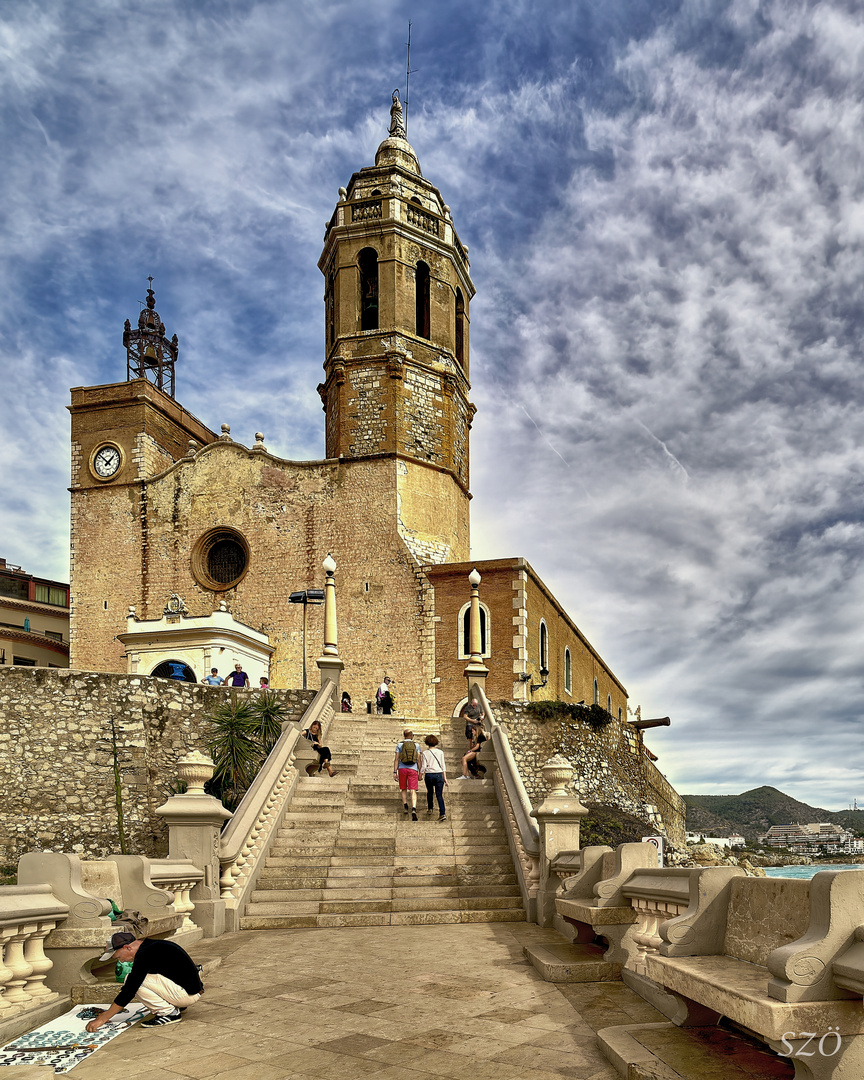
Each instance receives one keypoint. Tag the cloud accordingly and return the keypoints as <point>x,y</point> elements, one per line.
<point>665,214</point>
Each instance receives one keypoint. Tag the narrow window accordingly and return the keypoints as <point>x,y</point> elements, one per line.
<point>609,704</point>
<point>466,631</point>
<point>568,677</point>
<point>596,693</point>
<point>368,263</point>
<point>329,301</point>
<point>544,648</point>
<point>620,715</point>
<point>422,299</point>
<point>460,328</point>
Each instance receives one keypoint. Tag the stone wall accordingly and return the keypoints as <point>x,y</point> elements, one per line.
<point>611,766</point>
<point>56,756</point>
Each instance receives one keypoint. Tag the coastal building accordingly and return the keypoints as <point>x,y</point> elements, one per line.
<point>34,619</point>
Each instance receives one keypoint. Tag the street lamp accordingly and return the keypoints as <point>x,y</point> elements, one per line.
<point>306,597</point>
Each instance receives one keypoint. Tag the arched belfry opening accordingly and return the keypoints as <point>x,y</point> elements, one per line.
<point>460,328</point>
<point>421,299</point>
<point>367,262</point>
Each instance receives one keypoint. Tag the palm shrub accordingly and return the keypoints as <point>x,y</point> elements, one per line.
<point>242,734</point>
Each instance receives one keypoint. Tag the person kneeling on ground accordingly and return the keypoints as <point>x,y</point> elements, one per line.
<point>471,761</point>
<point>163,976</point>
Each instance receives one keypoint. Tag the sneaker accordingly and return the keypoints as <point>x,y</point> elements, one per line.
<point>160,1021</point>
<point>443,817</point>
<point>413,815</point>
<point>430,812</point>
<point>404,807</point>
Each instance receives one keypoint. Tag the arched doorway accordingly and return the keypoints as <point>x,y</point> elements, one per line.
<point>174,669</point>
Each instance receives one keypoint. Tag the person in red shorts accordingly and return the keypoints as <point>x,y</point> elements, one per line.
<point>406,769</point>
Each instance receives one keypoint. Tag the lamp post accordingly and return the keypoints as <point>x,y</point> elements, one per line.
<point>306,597</point>
<point>329,664</point>
<point>475,670</point>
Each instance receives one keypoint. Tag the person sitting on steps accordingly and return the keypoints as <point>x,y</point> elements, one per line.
<point>471,761</point>
<point>313,734</point>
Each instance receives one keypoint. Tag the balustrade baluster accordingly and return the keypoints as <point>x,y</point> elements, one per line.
<point>21,970</point>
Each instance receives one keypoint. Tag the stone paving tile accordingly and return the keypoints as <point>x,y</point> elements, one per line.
<point>354,1004</point>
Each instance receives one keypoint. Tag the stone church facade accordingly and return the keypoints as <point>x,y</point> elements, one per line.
<point>163,507</point>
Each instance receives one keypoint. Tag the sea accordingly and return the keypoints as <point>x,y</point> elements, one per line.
<point>807,872</point>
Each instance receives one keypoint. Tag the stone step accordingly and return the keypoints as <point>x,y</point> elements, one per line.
<point>383,918</point>
<point>663,1051</point>
<point>562,962</point>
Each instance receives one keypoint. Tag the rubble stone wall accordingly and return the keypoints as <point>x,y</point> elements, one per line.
<point>56,756</point>
<point>611,766</point>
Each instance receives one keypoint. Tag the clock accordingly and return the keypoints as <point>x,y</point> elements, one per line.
<point>105,461</point>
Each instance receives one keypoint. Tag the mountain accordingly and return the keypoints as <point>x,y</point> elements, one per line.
<point>752,813</point>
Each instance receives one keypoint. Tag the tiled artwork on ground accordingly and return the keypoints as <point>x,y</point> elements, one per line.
<point>64,1042</point>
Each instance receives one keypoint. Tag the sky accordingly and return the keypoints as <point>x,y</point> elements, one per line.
<point>664,206</point>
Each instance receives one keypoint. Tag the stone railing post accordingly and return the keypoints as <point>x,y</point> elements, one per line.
<point>194,823</point>
<point>558,820</point>
<point>329,663</point>
<point>475,670</point>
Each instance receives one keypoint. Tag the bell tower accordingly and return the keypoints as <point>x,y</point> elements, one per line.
<point>397,296</point>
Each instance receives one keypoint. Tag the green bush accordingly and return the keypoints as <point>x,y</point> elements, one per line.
<point>593,715</point>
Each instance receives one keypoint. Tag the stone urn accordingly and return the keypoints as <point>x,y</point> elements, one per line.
<point>195,769</point>
<point>557,772</point>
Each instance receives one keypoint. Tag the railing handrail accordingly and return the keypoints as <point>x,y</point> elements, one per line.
<point>529,832</point>
<point>247,813</point>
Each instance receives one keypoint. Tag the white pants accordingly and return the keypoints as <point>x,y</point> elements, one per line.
<point>162,996</point>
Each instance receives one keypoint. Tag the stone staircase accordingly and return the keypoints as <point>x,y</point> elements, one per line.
<point>347,855</point>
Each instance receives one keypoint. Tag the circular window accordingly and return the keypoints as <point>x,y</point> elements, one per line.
<point>174,669</point>
<point>220,559</point>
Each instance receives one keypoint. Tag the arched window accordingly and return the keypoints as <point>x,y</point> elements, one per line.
<point>174,669</point>
<point>568,674</point>
<point>367,261</point>
<point>464,624</point>
<point>609,704</point>
<point>460,328</point>
<point>596,693</point>
<point>620,715</point>
<point>329,303</point>
<point>544,647</point>
<point>421,285</point>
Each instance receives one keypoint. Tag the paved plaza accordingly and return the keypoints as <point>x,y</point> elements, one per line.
<point>381,1003</point>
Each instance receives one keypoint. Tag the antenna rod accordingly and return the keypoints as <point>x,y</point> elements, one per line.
<point>407,77</point>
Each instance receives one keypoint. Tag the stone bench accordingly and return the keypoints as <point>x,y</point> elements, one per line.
<point>86,887</point>
<point>781,958</point>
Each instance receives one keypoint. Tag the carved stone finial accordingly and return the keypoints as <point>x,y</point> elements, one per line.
<point>193,449</point>
<point>226,433</point>
<point>195,769</point>
<point>557,773</point>
<point>130,614</point>
<point>259,441</point>
<point>397,119</point>
<point>343,194</point>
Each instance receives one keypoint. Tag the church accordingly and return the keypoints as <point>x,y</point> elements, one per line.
<point>187,545</point>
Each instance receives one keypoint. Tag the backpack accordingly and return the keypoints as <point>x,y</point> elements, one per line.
<point>408,753</point>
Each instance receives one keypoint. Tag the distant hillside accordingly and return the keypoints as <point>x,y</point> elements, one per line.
<point>752,813</point>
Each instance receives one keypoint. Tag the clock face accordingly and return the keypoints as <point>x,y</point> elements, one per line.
<point>106,461</point>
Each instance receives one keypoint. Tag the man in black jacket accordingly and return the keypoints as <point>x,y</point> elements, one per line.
<point>163,976</point>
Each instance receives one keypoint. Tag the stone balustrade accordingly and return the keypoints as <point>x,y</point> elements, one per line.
<point>244,843</point>
<point>28,913</point>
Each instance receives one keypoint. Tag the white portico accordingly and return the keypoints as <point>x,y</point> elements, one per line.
<point>184,646</point>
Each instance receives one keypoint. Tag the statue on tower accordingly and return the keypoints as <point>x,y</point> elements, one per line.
<point>397,119</point>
